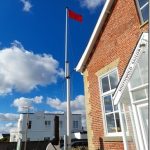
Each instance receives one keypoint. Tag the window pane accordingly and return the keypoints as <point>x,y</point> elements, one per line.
<point>29,124</point>
<point>49,123</point>
<point>75,124</point>
<point>113,80</point>
<point>145,13</point>
<point>118,122</point>
<point>139,94</point>
<point>147,93</point>
<point>144,116</point>
<point>108,104</point>
<point>143,62</point>
<point>45,122</point>
<point>142,2</point>
<point>105,84</point>
<point>124,117</point>
<point>110,123</point>
<point>135,79</point>
<point>115,107</point>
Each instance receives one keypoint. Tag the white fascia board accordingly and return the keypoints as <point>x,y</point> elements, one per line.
<point>97,29</point>
<point>130,68</point>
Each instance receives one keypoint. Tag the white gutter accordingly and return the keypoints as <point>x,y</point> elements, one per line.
<point>94,35</point>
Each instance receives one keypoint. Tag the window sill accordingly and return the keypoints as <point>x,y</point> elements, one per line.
<point>143,24</point>
<point>112,139</point>
<point>116,139</point>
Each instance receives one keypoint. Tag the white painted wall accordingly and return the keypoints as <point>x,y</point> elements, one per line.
<point>38,128</point>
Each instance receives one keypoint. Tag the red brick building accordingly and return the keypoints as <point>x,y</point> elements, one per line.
<point>111,63</point>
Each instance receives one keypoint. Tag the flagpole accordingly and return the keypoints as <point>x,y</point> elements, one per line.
<point>67,76</point>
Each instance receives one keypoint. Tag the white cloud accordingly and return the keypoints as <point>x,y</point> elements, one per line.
<point>77,106</point>
<point>8,117</point>
<point>56,103</point>
<point>26,5</point>
<point>7,127</point>
<point>23,103</point>
<point>91,4</point>
<point>22,70</point>
<point>8,121</point>
<point>38,99</point>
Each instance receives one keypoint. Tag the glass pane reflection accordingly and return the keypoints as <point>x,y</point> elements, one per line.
<point>108,104</point>
<point>139,94</point>
<point>113,80</point>
<point>110,123</point>
<point>142,2</point>
<point>118,122</point>
<point>145,13</point>
<point>135,79</point>
<point>105,84</point>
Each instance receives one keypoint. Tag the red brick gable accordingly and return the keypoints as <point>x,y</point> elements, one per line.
<point>116,41</point>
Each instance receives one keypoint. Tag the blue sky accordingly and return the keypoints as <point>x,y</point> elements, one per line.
<point>32,55</point>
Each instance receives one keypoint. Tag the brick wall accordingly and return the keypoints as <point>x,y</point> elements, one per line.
<point>116,42</point>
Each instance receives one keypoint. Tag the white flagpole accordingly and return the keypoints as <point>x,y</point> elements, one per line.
<point>67,76</point>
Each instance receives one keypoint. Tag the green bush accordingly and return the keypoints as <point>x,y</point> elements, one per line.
<point>4,139</point>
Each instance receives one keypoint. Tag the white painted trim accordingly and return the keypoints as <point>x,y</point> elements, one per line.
<point>97,29</point>
<point>130,68</point>
<point>102,106</point>
<point>134,128</point>
<point>137,123</point>
<point>141,123</point>
<point>102,95</point>
<point>123,128</point>
<point>143,86</point>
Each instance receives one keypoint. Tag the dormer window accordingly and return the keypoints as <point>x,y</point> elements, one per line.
<point>143,6</point>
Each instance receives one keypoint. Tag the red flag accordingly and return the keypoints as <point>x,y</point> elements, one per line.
<point>74,16</point>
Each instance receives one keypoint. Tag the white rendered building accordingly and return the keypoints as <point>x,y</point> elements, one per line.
<point>41,126</point>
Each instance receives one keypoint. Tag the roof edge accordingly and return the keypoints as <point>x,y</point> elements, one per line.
<point>96,31</point>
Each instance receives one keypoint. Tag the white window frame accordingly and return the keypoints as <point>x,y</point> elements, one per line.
<point>139,10</point>
<point>75,124</point>
<point>103,106</point>
<point>135,105</point>
<point>141,122</point>
<point>48,124</point>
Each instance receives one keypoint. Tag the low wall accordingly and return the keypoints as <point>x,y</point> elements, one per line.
<point>36,145</point>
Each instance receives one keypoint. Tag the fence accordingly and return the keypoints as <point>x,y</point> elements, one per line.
<point>36,145</point>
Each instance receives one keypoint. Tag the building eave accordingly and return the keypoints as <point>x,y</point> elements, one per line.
<point>102,18</point>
